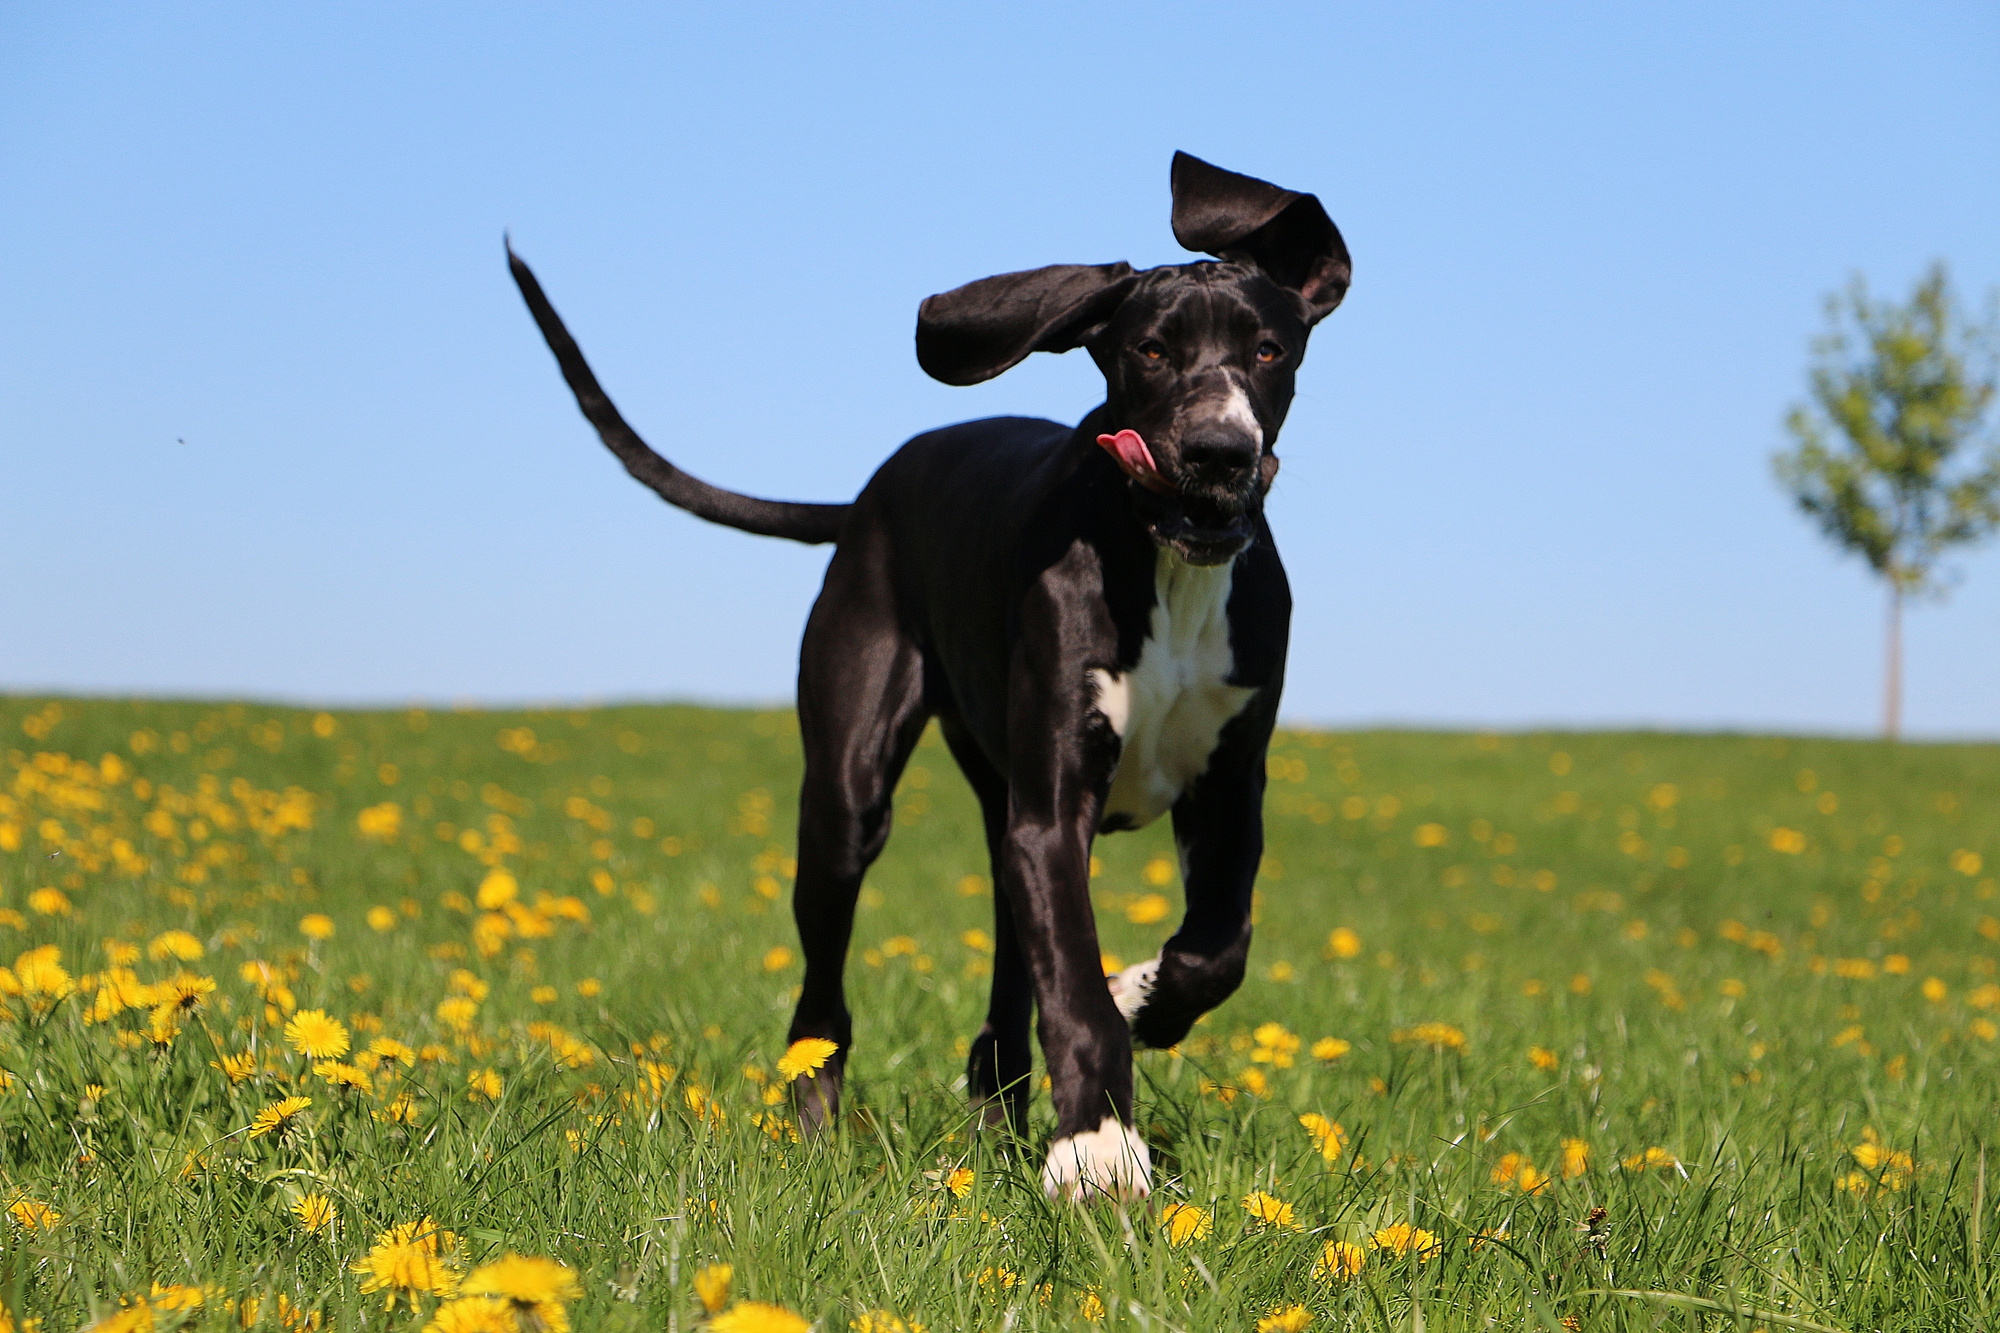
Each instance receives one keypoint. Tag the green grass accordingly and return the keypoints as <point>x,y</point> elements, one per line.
<point>1625,903</point>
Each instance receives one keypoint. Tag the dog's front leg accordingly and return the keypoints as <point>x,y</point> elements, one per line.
<point>1219,828</point>
<point>1061,758</point>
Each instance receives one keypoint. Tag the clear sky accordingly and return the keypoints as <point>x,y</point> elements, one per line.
<point>274,422</point>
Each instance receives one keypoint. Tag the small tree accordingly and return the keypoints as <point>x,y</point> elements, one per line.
<point>1888,460</point>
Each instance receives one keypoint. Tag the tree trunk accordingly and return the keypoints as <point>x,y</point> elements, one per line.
<point>1892,703</point>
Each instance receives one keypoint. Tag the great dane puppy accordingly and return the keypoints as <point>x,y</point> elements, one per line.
<point>1095,615</point>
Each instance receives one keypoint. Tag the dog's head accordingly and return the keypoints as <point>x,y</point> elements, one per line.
<point>1198,359</point>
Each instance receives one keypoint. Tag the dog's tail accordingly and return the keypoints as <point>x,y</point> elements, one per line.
<point>809,523</point>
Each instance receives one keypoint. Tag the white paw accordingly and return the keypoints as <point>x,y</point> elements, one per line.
<point>1107,1162</point>
<point>1130,988</point>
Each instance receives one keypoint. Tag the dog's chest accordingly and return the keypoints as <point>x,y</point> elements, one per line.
<point>1171,706</point>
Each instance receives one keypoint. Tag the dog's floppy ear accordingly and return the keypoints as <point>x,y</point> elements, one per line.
<point>974,332</point>
<point>1283,232</point>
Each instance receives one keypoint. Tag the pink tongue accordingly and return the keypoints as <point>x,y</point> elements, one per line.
<point>1133,456</point>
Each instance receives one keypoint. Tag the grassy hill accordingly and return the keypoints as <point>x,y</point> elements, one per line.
<point>1738,993</point>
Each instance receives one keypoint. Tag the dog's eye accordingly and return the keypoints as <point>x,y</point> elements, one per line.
<point>1153,349</point>
<point>1267,352</point>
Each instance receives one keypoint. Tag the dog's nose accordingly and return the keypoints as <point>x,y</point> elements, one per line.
<point>1225,461</point>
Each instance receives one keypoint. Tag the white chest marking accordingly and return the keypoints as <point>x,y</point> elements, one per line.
<point>1170,708</point>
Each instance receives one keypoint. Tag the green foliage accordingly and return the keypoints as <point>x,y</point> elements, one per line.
<point>1754,978</point>
<point>1884,461</point>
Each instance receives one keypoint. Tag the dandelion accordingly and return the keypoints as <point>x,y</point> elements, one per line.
<point>1340,1259</point>
<point>1654,1159</point>
<point>175,1298</point>
<point>344,1075</point>
<point>483,1083</point>
<point>1270,1210</point>
<point>1343,943</point>
<point>884,1321</point>
<point>317,1037</point>
<point>959,1182</point>
<point>1287,1319</point>
<point>474,1314</point>
<point>1437,1036</point>
<point>185,992</point>
<point>457,1012</point>
<point>535,1288</point>
<point>1544,1059</point>
<point>1576,1158</point>
<point>407,1261</point>
<point>385,1049</point>
<point>34,1215</point>
<point>1516,1169</point>
<point>1149,909</point>
<point>758,1317</point>
<point>174,944</point>
<point>1185,1222</point>
<point>711,1285</point>
<point>316,926</point>
<point>777,958</point>
<point>381,919</point>
<point>278,1117</point>
<point>1400,1239</point>
<point>1329,1139</point>
<point>314,1213</point>
<point>1275,1045</point>
<point>805,1056</point>
<point>1330,1048</point>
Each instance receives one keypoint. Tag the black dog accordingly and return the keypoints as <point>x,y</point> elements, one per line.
<point>1097,618</point>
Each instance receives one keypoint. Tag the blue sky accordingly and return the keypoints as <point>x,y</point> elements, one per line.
<point>1526,479</point>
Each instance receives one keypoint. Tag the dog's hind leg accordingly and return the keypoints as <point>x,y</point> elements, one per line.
<point>1002,1057</point>
<point>861,712</point>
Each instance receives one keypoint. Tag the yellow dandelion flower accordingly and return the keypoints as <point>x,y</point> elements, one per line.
<point>163,1025</point>
<point>314,1213</point>
<point>1343,943</point>
<point>1652,1159</point>
<point>777,958</point>
<point>886,1321</point>
<point>344,1075</point>
<point>497,890</point>
<point>1286,1319</point>
<point>277,1118</point>
<point>805,1056</point>
<point>535,1287</point>
<point>1400,1238</point>
<point>176,1298</point>
<point>457,1012</point>
<point>1329,1139</point>
<point>238,1067</point>
<point>711,1285</point>
<point>1544,1059</point>
<point>317,1037</point>
<point>1270,1210</point>
<point>388,1048</point>
<point>49,902</point>
<point>174,944</point>
<point>483,1083</point>
<point>381,919</point>
<point>1185,1222</point>
<point>589,988</point>
<point>1438,1036</point>
<point>959,1182</point>
<point>1340,1259</point>
<point>316,926</point>
<point>409,1260</point>
<point>474,1314</point>
<point>757,1317</point>
<point>34,1215</point>
<point>1576,1158</point>
<point>1331,1048</point>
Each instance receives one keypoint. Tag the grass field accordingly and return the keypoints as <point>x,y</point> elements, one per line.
<point>1605,1032</point>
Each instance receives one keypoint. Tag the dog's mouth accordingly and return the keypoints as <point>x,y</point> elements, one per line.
<point>1206,527</point>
